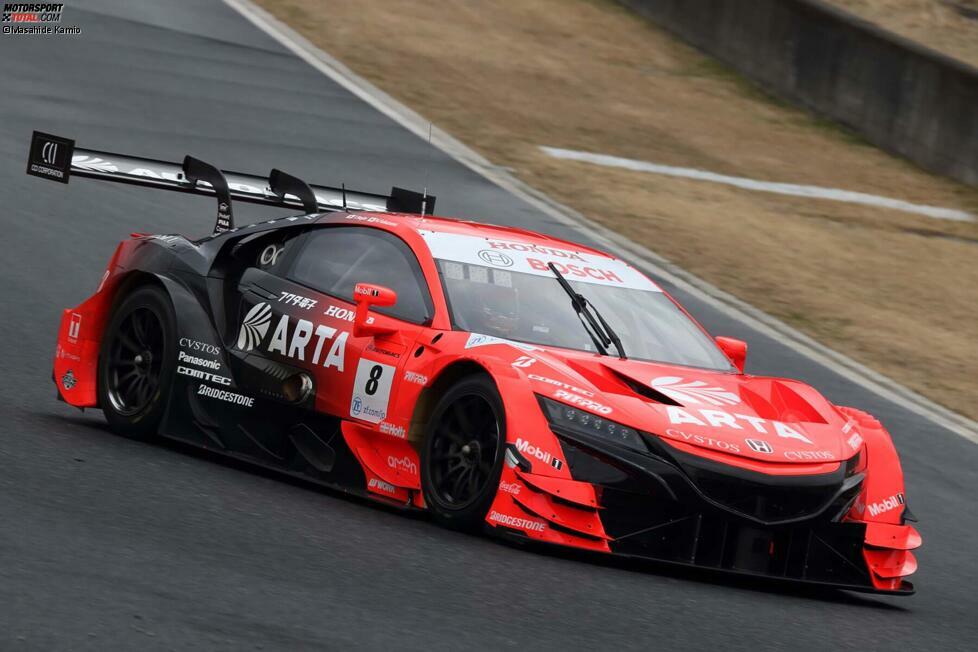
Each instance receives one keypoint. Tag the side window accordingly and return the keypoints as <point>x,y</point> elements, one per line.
<point>271,253</point>
<point>334,259</point>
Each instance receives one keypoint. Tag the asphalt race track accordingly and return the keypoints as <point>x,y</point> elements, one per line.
<point>107,543</point>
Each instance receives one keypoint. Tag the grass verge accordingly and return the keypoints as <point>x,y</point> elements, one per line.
<point>895,291</point>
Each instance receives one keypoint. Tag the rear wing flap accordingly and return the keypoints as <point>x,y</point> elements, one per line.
<point>57,159</point>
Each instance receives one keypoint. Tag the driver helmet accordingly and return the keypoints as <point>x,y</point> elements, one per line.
<point>500,309</point>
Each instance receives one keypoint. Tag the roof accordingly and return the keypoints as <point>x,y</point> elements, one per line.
<point>489,231</point>
<point>514,250</point>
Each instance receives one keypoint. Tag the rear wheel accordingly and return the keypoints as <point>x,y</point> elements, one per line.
<point>463,453</point>
<point>136,363</point>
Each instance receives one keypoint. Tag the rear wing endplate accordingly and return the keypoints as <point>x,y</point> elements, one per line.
<point>57,159</point>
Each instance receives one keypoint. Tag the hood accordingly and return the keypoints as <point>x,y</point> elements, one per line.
<point>770,420</point>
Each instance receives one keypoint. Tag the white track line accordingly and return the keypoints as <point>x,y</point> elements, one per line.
<point>796,190</point>
<point>648,261</point>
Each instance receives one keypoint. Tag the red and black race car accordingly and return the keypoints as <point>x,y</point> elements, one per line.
<point>495,377</point>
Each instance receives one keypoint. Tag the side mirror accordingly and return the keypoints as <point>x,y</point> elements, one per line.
<point>735,349</point>
<point>365,323</point>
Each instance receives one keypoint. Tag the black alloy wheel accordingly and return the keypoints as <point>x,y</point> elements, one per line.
<point>463,452</point>
<point>136,362</point>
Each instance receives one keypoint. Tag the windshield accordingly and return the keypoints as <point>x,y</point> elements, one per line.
<point>532,308</point>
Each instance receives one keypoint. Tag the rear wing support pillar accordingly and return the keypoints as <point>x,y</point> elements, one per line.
<point>197,171</point>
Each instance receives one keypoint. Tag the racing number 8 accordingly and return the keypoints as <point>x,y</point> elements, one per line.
<point>375,373</point>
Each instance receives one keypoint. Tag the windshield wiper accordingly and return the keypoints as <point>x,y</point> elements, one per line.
<point>601,333</point>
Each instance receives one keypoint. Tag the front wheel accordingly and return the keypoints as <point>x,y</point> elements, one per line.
<point>136,363</point>
<point>463,453</point>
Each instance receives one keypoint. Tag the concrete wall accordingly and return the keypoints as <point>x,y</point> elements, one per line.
<point>899,95</point>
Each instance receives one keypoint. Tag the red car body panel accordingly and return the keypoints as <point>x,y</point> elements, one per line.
<point>771,426</point>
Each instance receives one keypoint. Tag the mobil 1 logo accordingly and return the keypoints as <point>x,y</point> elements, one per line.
<point>371,391</point>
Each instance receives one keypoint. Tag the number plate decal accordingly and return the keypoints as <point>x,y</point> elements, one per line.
<point>371,391</point>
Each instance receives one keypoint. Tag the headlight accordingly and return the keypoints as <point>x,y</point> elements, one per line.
<point>567,418</point>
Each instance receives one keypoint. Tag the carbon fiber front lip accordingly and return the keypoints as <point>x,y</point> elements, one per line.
<point>907,588</point>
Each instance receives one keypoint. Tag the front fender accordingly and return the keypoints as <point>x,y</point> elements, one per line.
<point>537,495</point>
<point>881,506</point>
<point>882,499</point>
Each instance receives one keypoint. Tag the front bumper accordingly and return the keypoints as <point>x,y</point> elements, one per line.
<point>649,506</point>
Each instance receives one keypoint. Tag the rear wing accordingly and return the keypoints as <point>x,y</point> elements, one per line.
<point>57,159</point>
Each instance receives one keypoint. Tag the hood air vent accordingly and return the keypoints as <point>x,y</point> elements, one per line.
<point>645,391</point>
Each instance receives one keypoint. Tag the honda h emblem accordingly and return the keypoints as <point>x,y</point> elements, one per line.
<point>760,446</point>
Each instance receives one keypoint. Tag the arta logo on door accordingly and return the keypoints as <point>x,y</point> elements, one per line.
<point>254,326</point>
<point>299,339</point>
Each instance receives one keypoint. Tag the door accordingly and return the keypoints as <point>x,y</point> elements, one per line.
<point>296,318</point>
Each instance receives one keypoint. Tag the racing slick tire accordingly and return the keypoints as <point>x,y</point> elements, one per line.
<point>463,452</point>
<point>136,363</point>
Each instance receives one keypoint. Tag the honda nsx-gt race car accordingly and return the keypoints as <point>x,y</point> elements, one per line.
<point>494,377</point>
